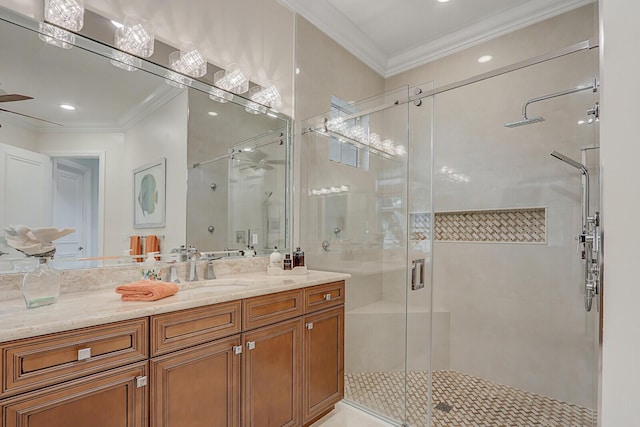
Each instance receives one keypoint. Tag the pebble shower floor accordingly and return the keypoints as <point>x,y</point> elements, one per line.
<point>462,401</point>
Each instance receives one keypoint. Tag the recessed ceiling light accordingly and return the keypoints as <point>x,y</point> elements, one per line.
<point>485,58</point>
<point>116,24</point>
<point>443,1</point>
<point>581,122</point>
<point>297,70</point>
<point>212,113</point>
<point>67,107</point>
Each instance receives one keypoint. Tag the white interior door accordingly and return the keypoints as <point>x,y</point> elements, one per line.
<point>25,188</point>
<point>71,207</point>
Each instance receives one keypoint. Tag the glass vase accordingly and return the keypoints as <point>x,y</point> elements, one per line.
<point>41,286</point>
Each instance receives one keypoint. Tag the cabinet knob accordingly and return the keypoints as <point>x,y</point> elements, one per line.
<point>237,349</point>
<point>310,325</point>
<point>327,297</point>
<point>84,354</point>
<point>251,345</point>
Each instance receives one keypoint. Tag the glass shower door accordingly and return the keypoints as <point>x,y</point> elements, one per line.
<point>522,349</point>
<point>354,220</point>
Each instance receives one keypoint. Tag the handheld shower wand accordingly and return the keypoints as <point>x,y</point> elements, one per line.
<point>589,236</point>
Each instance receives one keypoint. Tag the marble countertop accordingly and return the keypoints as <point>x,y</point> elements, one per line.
<point>98,306</point>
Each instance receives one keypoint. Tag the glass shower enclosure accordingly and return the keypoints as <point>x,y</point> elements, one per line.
<point>466,243</point>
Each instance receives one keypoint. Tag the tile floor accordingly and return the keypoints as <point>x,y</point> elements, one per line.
<point>347,416</point>
<point>461,401</point>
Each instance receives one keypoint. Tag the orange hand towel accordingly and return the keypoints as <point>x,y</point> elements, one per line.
<point>152,244</point>
<point>135,247</point>
<point>146,290</point>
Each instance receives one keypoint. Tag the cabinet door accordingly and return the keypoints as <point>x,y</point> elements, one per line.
<point>272,380</point>
<point>109,399</point>
<point>198,386</point>
<point>323,362</point>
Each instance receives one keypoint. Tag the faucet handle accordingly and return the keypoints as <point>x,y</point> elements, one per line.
<point>193,252</point>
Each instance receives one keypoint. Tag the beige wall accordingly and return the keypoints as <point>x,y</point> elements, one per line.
<point>161,134</point>
<point>620,154</point>
<point>257,33</point>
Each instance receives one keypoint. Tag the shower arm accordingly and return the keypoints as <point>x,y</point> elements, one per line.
<point>593,86</point>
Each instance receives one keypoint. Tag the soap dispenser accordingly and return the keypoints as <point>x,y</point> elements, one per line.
<point>275,259</point>
<point>298,258</point>
<point>149,267</point>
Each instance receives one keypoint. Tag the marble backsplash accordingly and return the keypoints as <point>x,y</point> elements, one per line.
<point>100,278</point>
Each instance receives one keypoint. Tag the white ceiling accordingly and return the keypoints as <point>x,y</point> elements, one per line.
<point>392,36</point>
<point>106,98</point>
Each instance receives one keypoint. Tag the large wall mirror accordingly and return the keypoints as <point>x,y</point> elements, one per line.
<point>122,154</point>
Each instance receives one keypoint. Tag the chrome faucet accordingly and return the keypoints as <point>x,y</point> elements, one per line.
<point>209,273</point>
<point>193,258</point>
<point>171,275</point>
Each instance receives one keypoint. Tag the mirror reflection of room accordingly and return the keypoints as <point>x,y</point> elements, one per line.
<point>73,150</point>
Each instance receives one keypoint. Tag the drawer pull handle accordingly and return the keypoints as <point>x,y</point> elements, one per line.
<point>141,381</point>
<point>84,354</point>
<point>251,345</point>
<point>310,325</point>
<point>237,349</point>
<point>327,297</point>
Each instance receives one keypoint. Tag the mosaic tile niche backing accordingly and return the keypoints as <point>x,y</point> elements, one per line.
<point>503,225</point>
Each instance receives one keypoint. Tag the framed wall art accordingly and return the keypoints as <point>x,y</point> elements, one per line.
<point>149,195</point>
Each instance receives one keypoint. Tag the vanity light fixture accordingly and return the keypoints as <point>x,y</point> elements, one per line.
<point>67,14</point>
<point>263,98</point>
<point>189,60</point>
<point>56,36</point>
<point>485,58</point>
<point>177,80</point>
<point>233,79</point>
<point>134,37</point>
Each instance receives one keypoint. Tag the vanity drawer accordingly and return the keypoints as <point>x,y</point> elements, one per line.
<point>186,328</point>
<point>323,296</point>
<point>33,363</point>
<point>268,309</point>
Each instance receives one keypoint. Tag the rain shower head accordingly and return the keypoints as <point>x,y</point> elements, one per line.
<point>570,162</point>
<point>525,121</point>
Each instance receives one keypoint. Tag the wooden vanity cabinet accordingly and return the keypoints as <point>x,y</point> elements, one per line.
<point>198,386</point>
<point>114,398</point>
<point>293,370</point>
<point>274,360</point>
<point>272,375</point>
<point>323,363</point>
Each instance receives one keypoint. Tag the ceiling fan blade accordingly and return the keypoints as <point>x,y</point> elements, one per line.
<point>31,117</point>
<point>14,97</point>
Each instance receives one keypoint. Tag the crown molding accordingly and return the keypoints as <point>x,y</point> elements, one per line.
<point>160,97</point>
<point>498,25</point>
<point>333,23</point>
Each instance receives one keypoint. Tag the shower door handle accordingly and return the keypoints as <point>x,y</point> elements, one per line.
<point>417,274</point>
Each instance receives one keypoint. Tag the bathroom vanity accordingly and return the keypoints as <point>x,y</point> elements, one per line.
<point>248,349</point>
